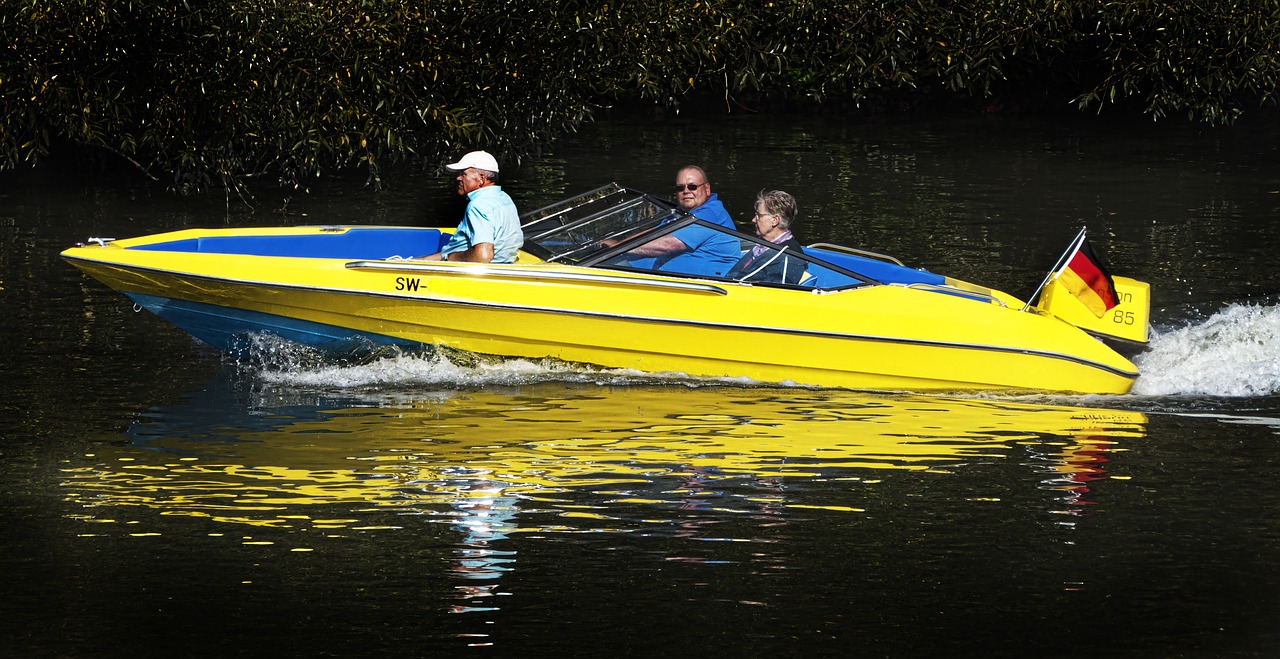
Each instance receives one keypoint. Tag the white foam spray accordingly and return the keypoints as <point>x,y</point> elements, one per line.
<point>1236,352</point>
<point>280,362</point>
<point>418,369</point>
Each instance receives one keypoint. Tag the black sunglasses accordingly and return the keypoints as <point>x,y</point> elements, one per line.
<point>681,187</point>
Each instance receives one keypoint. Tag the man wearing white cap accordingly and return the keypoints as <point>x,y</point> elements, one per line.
<point>490,228</point>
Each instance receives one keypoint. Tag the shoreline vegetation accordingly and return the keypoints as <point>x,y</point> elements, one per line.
<point>206,96</point>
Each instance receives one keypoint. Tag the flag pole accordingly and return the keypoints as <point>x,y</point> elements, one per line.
<point>1075,243</point>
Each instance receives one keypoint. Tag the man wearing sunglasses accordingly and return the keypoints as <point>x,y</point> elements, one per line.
<point>693,249</point>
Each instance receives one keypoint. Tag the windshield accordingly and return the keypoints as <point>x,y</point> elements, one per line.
<point>574,230</point>
<point>618,228</point>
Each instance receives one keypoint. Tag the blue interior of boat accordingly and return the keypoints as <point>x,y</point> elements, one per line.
<point>881,271</point>
<point>374,243</point>
<point>370,243</point>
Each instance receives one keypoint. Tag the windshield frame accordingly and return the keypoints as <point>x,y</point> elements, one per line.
<point>596,229</point>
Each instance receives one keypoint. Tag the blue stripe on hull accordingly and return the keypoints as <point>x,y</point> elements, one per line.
<point>221,326</point>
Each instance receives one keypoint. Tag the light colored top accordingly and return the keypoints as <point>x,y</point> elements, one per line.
<point>491,217</point>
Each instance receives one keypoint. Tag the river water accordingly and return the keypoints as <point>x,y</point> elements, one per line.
<point>159,501</point>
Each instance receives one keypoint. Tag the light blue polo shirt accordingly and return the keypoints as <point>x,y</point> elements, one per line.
<point>491,217</point>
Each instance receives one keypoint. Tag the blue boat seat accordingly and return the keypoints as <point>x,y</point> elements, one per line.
<point>879,270</point>
<point>359,243</point>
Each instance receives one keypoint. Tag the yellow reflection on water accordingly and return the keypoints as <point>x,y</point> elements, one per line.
<point>487,465</point>
<point>296,466</point>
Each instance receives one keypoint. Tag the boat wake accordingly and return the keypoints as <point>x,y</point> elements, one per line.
<point>281,362</point>
<point>1235,352</point>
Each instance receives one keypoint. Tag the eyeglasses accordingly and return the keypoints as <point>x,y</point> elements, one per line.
<point>760,215</point>
<point>681,187</point>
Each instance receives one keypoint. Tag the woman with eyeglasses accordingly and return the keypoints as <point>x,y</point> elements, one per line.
<point>775,211</point>
<point>694,249</point>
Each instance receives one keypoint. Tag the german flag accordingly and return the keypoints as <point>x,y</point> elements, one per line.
<point>1087,279</point>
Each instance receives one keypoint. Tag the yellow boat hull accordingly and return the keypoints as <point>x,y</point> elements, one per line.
<point>880,337</point>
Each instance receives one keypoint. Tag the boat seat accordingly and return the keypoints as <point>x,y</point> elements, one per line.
<point>357,243</point>
<point>881,271</point>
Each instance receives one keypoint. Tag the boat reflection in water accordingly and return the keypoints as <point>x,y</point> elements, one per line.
<point>300,469</point>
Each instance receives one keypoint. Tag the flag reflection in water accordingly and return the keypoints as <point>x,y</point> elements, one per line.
<point>1074,467</point>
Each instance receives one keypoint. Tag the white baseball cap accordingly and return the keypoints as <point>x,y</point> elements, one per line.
<point>477,159</point>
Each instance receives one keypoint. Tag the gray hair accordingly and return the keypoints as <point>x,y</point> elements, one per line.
<point>779,203</point>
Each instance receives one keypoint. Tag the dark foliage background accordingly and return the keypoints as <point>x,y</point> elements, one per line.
<point>215,94</point>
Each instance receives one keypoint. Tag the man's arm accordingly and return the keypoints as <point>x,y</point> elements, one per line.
<point>659,246</point>
<point>478,253</point>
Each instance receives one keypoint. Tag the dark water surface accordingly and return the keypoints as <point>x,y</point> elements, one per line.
<point>158,501</point>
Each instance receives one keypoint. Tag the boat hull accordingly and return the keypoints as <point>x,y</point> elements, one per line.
<point>875,337</point>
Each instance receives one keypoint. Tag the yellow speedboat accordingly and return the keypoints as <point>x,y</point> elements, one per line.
<point>850,319</point>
